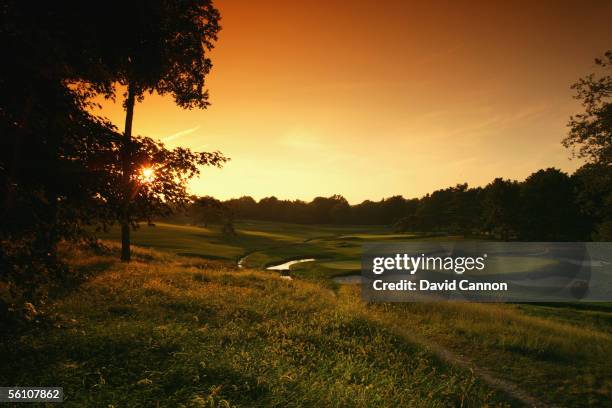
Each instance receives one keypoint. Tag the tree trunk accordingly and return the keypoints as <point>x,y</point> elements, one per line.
<point>127,173</point>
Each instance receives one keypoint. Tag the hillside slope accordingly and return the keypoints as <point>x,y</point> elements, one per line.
<point>174,331</point>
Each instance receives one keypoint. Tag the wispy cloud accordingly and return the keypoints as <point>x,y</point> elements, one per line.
<point>180,134</point>
<point>302,139</point>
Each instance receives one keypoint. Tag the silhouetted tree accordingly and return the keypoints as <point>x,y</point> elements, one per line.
<point>549,210</point>
<point>392,209</point>
<point>549,205</point>
<point>157,46</point>
<point>591,131</point>
<point>366,212</point>
<point>466,210</point>
<point>48,176</point>
<point>208,210</point>
<point>340,211</point>
<point>435,212</point>
<point>327,210</point>
<point>593,183</point>
<point>244,207</point>
<point>59,164</point>
<point>159,192</point>
<point>501,208</point>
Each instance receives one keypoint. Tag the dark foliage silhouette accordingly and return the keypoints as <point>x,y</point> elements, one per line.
<point>590,133</point>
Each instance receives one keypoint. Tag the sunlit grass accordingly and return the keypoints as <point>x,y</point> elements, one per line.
<point>560,353</point>
<point>181,330</point>
<point>169,332</point>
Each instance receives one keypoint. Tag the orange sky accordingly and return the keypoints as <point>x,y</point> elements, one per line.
<point>372,99</point>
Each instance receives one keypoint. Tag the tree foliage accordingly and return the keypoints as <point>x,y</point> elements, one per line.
<point>157,194</point>
<point>501,208</point>
<point>49,141</point>
<point>60,166</point>
<point>549,205</point>
<point>155,46</point>
<point>590,134</point>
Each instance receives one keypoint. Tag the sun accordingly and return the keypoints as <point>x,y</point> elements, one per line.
<point>147,174</point>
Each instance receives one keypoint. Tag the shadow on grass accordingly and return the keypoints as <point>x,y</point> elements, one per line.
<point>129,370</point>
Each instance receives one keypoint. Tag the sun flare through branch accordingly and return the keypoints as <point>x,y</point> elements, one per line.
<point>147,175</point>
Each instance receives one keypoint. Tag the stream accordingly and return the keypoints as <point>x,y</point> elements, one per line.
<point>284,267</point>
<point>287,265</point>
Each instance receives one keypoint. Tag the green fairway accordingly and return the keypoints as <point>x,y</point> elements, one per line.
<point>263,244</point>
<point>343,265</point>
<point>258,244</point>
<point>374,236</point>
<point>519,264</point>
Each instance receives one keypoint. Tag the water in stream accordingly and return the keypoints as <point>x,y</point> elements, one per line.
<point>284,267</point>
<point>287,265</point>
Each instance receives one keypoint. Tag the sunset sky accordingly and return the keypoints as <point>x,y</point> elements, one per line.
<point>372,99</point>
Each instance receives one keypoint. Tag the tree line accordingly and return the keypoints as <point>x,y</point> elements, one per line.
<point>549,205</point>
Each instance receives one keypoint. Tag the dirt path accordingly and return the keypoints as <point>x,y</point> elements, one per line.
<point>487,376</point>
<point>507,387</point>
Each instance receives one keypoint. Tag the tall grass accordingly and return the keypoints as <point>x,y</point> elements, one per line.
<point>186,332</point>
<point>569,362</point>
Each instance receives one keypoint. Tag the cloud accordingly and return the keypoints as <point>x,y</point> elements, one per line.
<point>180,134</point>
<point>302,139</point>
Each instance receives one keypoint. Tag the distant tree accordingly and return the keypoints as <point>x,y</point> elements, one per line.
<point>340,212</point>
<point>244,207</point>
<point>501,207</point>
<point>466,209</point>
<point>590,133</point>
<point>367,212</point>
<point>208,210</point>
<point>436,212</point>
<point>393,209</point>
<point>593,183</point>
<point>549,210</point>
<point>326,210</point>
<point>548,205</point>
<point>299,212</point>
<point>269,208</point>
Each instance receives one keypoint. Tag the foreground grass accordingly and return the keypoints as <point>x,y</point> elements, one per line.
<point>174,331</point>
<point>561,353</point>
<point>558,353</point>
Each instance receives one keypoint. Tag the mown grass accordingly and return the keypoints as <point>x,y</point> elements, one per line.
<point>265,243</point>
<point>337,249</point>
<point>268,242</point>
<point>174,331</point>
